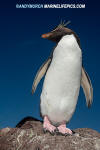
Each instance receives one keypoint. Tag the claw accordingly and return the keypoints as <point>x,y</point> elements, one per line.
<point>52,133</point>
<point>44,130</point>
<point>56,130</point>
<point>62,134</point>
<point>73,131</point>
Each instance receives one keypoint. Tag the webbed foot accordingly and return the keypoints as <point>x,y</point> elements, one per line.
<point>48,127</point>
<point>63,130</point>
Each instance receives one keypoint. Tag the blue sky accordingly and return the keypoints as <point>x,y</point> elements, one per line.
<point>22,51</point>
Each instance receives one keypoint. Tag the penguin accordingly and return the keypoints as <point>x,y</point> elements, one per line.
<point>64,74</point>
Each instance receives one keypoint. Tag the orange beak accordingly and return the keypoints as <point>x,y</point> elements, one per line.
<point>45,35</point>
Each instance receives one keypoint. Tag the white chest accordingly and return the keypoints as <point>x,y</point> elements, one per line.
<point>62,80</point>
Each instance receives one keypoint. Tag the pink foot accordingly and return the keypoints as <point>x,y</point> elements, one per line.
<point>47,126</point>
<point>63,130</point>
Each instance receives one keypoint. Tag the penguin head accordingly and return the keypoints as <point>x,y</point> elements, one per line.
<point>56,34</point>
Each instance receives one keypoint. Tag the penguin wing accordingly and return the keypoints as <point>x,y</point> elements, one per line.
<point>41,72</point>
<point>87,87</point>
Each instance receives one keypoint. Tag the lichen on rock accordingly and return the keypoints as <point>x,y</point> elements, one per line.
<point>29,135</point>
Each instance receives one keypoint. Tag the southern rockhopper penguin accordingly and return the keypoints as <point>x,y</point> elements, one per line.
<point>64,73</point>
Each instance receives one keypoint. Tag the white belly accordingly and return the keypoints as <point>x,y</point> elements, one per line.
<point>62,81</point>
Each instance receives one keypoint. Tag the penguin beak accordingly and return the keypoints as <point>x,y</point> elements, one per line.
<point>47,35</point>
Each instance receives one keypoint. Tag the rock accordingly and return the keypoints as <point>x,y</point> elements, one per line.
<point>29,135</point>
<point>4,131</point>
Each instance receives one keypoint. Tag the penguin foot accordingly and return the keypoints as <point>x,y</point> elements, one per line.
<point>63,130</point>
<point>48,127</point>
<point>51,132</point>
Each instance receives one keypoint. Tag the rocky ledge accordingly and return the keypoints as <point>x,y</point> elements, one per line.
<point>29,135</point>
